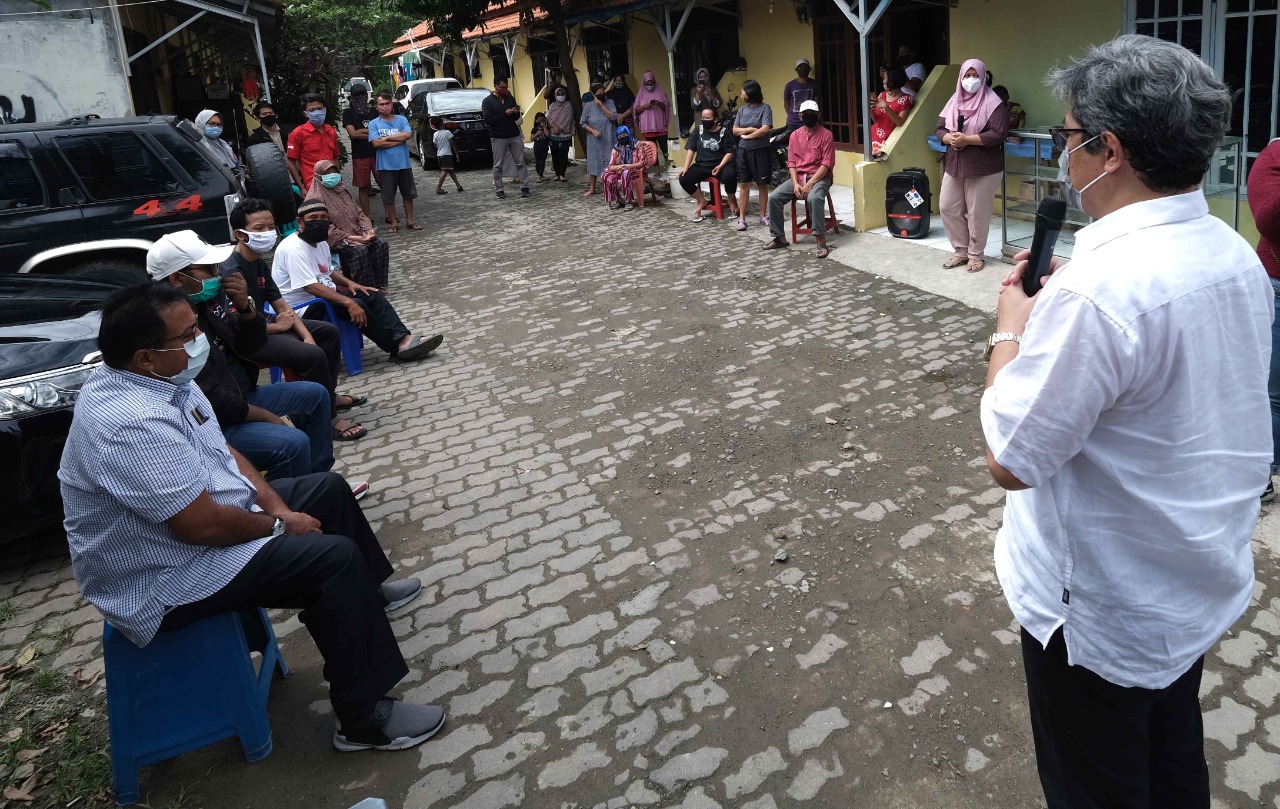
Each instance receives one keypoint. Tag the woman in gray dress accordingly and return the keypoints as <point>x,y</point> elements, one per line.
<point>599,116</point>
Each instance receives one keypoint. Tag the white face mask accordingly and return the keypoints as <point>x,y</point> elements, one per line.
<point>1076,198</point>
<point>197,354</point>
<point>561,96</point>
<point>262,242</point>
<point>971,84</point>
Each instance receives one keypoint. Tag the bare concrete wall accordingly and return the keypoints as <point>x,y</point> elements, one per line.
<point>58,65</point>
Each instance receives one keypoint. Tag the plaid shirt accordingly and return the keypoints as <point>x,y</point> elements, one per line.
<point>140,450</point>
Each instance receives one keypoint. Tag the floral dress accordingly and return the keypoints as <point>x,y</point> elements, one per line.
<point>598,149</point>
<point>883,126</point>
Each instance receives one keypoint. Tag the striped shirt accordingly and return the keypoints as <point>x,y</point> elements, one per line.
<point>140,450</point>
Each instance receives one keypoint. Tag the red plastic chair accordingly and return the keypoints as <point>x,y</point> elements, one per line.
<point>803,227</point>
<point>717,200</point>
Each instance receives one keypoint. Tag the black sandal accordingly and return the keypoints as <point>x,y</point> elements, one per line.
<point>348,435</point>
<point>775,244</point>
<point>356,401</point>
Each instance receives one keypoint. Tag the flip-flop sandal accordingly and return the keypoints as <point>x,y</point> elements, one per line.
<point>775,244</point>
<point>418,348</point>
<point>976,266</point>
<point>697,217</point>
<point>353,433</point>
<point>742,224</point>
<point>356,401</point>
<point>414,226</point>
<point>393,229</point>
<point>823,251</point>
<point>953,262</point>
<point>764,221</point>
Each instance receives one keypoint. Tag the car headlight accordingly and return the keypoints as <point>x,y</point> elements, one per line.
<point>42,392</point>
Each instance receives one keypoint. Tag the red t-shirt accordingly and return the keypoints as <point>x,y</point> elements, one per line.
<point>309,145</point>
<point>1264,201</point>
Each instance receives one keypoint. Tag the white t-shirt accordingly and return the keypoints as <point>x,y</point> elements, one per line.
<point>1137,411</point>
<point>444,142</point>
<point>297,265</point>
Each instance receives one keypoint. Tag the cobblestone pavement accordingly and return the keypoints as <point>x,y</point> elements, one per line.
<point>700,527</point>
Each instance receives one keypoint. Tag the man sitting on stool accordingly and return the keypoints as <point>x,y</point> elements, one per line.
<point>167,525</point>
<point>302,270</point>
<point>811,158</point>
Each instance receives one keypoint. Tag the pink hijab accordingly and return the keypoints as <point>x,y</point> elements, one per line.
<point>654,119</point>
<point>975,107</point>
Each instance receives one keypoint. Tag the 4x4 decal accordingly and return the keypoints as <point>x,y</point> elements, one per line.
<point>154,207</point>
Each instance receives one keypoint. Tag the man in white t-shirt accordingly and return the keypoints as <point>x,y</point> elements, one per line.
<point>1126,412</point>
<point>303,271</point>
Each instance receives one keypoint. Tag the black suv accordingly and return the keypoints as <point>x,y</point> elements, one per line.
<point>86,197</point>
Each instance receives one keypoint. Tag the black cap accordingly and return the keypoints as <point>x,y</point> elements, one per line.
<point>359,88</point>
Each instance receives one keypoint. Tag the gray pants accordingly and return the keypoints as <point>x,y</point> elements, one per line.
<point>816,203</point>
<point>508,146</point>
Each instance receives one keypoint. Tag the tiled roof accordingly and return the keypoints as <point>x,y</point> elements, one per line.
<point>499,19</point>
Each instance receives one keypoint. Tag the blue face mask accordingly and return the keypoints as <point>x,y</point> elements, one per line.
<point>213,131</point>
<point>330,180</point>
<point>197,354</point>
<point>317,117</point>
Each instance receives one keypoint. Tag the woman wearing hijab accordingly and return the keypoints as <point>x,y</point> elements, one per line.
<point>625,165</point>
<point>598,117</point>
<point>973,126</point>
<point>209,122</point>
<point>652,112</point>
<point>560,119</point>
<point>622,97</point>
<point>704,93</point>
<point>365,258</point>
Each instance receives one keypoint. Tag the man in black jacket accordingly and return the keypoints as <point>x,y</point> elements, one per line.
<point>251,418</point>
<point>500,112</point>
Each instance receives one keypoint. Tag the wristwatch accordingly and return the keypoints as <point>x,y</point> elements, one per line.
<point>1000,337</point>
<point>278,528</point>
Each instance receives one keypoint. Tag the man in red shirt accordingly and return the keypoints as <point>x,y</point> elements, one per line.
<point>312,142</point>
<point>811,159</point>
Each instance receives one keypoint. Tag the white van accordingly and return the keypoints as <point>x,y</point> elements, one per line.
<point>405,92</point>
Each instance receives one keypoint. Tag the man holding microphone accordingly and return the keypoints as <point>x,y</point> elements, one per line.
<point>1126,412</point>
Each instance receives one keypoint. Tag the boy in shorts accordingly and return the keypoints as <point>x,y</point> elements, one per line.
<point>444,154</point>
<point>389,134</point>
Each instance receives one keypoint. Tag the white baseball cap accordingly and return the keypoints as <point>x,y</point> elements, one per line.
<point>916,71</point>
<point>802,61</point>
<point>810,105</point>
<point>177,251</point>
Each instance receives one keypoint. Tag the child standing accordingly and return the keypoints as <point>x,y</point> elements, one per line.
<point>443,139</point>
<point>541,144</point>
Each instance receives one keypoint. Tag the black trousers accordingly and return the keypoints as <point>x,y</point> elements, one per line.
<point>333,578</point>
<point>728,178</point>
<point>312,363</point>
<point>1099,744</point>
<point>559,156</point>
<point>540,149</point>
<point>383,327</point>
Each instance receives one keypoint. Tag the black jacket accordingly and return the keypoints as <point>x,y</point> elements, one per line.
<point>494,110</point>
<point>260,136</point>
<point>228,379</point>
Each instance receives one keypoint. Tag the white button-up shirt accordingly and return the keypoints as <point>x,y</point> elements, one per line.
<point>1137,411</point>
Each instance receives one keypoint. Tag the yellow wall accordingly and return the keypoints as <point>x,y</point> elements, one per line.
<point>1019,40</point>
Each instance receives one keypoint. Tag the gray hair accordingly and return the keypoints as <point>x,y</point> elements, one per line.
<point>1163,103</point>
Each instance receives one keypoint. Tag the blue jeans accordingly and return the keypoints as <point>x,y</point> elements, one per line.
<point>1273,382</point>
<point>285,452</point>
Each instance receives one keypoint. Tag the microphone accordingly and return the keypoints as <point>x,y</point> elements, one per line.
<point>1049,218</point>
<point>959,123</point>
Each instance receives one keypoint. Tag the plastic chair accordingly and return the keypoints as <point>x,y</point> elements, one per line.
<point>643,185</point>
<point>350,340</point>
<point>804,228</point>
<point>717,201</point>
<point>186,689</point>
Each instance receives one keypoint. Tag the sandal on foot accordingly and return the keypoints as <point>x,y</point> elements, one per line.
<point>976,265</point>
<point>775,244</point>
<point>359,488</point>
<point>742,224</point>
<point>441,191</point>
<point>823,251</point>
<point>354,401</point>
<point>953,262</point>
<point>353,433</point>
<point>414,226</point>
<point>697,216</point>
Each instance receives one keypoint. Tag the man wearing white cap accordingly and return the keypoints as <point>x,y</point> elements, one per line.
<point>251,418</point>
<point>798,90</point>
<point>811,159</point>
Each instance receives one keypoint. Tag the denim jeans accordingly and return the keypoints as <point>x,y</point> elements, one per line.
<point>1273,381</point>
<point>285,452</point>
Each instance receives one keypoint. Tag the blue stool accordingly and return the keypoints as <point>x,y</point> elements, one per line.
<point>188,688</point>
<point>350,340</point>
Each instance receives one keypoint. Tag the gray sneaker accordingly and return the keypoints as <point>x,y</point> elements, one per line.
<point>394,725</point>
<point>401,592</point>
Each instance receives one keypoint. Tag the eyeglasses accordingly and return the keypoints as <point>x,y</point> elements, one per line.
<point>186,337</point>
<point>1061,133</point>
